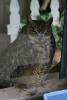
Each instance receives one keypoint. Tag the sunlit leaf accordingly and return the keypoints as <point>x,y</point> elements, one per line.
<point>45,17</point>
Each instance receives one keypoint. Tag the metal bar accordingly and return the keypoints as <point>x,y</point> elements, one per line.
<point>63,70</point>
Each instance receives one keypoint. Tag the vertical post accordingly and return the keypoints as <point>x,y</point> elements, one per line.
<point>13,27</point>
<point>24,8</point>
<point>63,70</point>
<point>55,12</point>
<point>34,9</point>
<point>4,15</point>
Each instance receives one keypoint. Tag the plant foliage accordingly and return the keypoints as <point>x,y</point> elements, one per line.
<point>56,31</point>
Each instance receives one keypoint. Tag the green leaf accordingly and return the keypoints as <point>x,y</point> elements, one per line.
<point>62,19</point>
<point>58,39</point>
<point>45,17</point>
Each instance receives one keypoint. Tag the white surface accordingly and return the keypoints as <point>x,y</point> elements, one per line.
<point>13,27</point>
<point>34,7</point>
<point>55,12</point>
